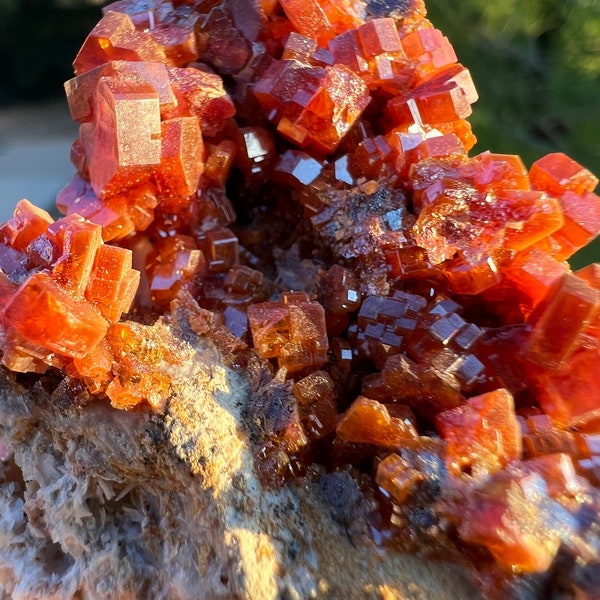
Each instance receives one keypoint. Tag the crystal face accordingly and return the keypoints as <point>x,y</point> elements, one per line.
<point>296,180</point>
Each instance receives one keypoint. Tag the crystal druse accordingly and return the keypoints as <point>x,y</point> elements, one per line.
<point>296,178</point>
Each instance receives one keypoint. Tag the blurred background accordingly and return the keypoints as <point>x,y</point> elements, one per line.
<point>536,65</point>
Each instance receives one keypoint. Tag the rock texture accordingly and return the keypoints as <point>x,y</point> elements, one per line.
<point>99,503</point>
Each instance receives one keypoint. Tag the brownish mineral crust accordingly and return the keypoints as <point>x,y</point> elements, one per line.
<point>289,186</point>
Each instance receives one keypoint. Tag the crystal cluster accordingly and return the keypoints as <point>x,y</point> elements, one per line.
<point>297,174</point>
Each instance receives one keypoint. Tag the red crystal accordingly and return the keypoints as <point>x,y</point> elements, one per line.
<point>27,223</point>
<point>116,38</point>
<point>75,328</point>
<point>126,144</point>
<point>172,265</point>
<point>483,433</point>
<point>80,241</point>
<point>556,173</point>
<point>294,180</point>
<point>182,155</point>
<point>507,517</point>
<point>200,93</point>
<point>562,317</point>
<point>321,19</point>
<point>293,331</point>
<point>81,90</point>
<point>113,283</point>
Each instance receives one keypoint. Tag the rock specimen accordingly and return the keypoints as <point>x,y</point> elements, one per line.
<point>101,503</point>
<point>337,336</point>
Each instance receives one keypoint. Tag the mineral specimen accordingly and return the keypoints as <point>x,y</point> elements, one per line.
<point>292,180</point>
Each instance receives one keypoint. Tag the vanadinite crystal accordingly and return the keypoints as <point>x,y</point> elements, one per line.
<point>297,176</point>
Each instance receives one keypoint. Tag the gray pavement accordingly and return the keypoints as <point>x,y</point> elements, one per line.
<point>35,143</point>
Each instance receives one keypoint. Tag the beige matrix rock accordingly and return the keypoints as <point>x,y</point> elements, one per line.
<point>100,503</point>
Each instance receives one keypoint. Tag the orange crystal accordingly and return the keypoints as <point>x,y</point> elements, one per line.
<point>60,310</point>
<point>369,422</point>
<point>397,478</point>
<point>43,313</point>
<point>81,90</point>
<point>560,320</point>
<point>293,331</point>
<point>430,49</point>
<point>116,38</point>
<point>182,155</point>
<point>127,137</point>
<point>482,433</point>
<point>437,344</point>
<point>321,19</point>
<point>441,104</point>
<point>27,223</point>
<point>113,283</point>
<point>556,173</point>
<point>507,516</point>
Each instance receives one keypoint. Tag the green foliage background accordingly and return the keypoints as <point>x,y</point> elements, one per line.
<point>536,64</point>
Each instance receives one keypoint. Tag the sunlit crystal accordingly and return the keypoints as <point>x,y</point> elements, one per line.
<point>293,181</point>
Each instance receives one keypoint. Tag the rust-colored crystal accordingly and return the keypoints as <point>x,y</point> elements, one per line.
<point>294,179</point>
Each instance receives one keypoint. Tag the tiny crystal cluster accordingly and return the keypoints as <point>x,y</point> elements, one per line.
<point>298,172</point>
